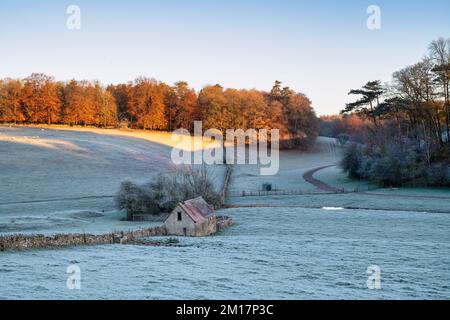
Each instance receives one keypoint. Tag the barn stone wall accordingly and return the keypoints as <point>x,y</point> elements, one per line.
<point>207,227</point>
<point>187,227</point>
<point>176,228</point>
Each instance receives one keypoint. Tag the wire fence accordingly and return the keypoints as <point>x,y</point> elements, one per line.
<point>264,193</point>
<point>261,193</point>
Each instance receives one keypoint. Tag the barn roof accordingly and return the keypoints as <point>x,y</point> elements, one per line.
<point>197,209</point>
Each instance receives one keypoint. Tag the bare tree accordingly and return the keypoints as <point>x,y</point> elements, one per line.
<point>440,55</point>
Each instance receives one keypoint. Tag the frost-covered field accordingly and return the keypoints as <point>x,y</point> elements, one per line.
<point>287,248</point>
<point>350,201</point>
<point>63,180</point>
<point>270,254</point>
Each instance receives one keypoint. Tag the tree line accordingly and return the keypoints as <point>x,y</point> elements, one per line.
<point>348,127</point>
<point>408,139</point>
<point>153,105</point>
<point>38,99</point>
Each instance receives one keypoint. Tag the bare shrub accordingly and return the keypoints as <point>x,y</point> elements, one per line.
<point>163,194</point>
<point>183,183</point>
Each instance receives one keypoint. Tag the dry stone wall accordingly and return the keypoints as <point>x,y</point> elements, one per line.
<point>26,242</point>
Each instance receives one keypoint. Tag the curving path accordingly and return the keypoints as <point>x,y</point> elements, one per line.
<point>309,177</point>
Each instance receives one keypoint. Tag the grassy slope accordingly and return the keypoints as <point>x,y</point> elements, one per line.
<point>76,169</point>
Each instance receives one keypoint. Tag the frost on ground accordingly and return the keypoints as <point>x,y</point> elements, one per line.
<point>282,250</point>
<point>65,180</point>
<point>286,253</point>
<point>293,164</point>
<point>335,177</point>
<point>351,201</point>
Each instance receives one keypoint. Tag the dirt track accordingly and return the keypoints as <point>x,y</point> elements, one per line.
<point>309,177</point>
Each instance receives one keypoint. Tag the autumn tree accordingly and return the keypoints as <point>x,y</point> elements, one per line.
<point>40,98</point>
<point>255,108</point>
<point>233,109</point>
<point>105,107</point>
<point>303,124</point>
<point>181,102</point>
<point>52,101</point>
<point>10,101</point>
<point>123,94</point>
<point>292,114</point>
<point>78,103</point>
<point>72,99</point>
<point>351,126</point>
<point>148,104</point>
<point>213,107</point>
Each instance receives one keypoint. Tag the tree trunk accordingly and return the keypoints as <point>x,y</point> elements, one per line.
<point>447,111</point>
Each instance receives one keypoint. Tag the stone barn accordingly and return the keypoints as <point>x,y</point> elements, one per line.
<point>193,218</point>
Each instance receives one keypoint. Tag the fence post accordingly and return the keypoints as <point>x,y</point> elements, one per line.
<point>224,191</point>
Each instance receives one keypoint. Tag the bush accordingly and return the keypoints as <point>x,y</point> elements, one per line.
<point>393,163</point>
<point>162,195</point>
<point>136,199</point>
<point>396,163</point>
<point>352,161</point>
<point>438,175</point>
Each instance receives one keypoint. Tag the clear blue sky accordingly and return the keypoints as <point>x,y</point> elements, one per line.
<point>321,48</point>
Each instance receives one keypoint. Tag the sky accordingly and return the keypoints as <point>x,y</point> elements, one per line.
<point>320,48</point>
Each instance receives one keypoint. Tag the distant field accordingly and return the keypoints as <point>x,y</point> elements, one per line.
<point>334,176</point>
<point>293,164</point>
